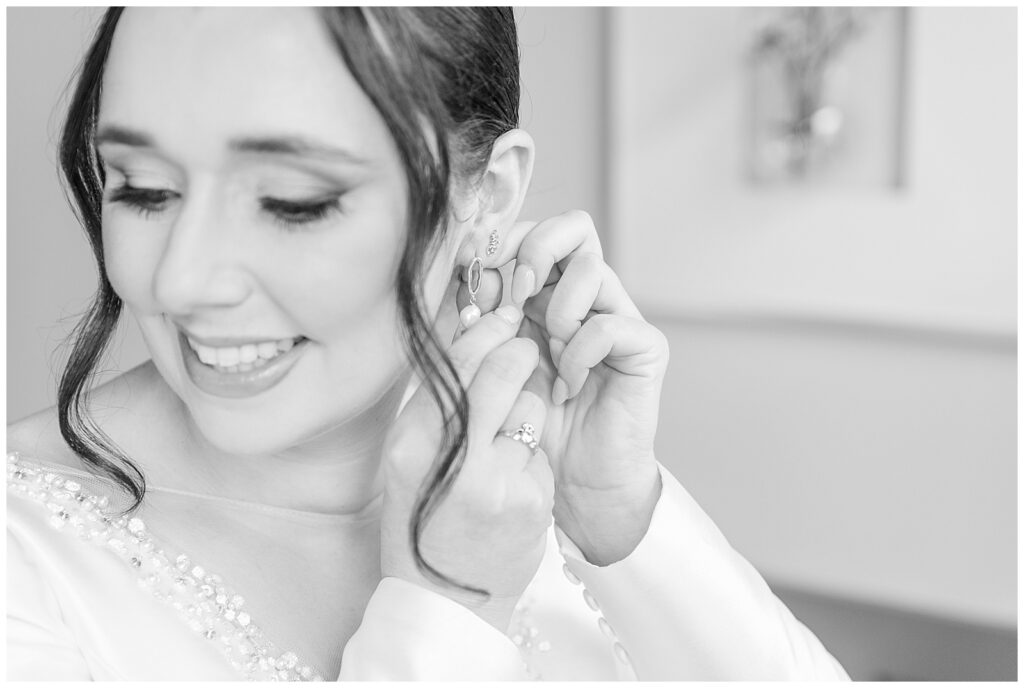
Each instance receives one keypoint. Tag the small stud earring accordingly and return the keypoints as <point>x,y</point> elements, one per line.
<point>471,313</point>
<point>492,242</point>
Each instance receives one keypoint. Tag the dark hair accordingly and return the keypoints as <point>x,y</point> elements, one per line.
<point>446,82</point>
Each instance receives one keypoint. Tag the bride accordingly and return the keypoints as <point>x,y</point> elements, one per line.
<point>346,458</point>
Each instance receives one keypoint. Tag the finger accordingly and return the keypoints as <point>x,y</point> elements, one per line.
<point>587,284</point>
<point>540,381</point>
<point>528,408</point>
<point>538,468</point>
<point>508,248</point>
<point>468,351</point>
<point>487,297</point>
<point>627,345</point>
<point>545,245</point>
<point>498,383</point>
<point>536,307</point>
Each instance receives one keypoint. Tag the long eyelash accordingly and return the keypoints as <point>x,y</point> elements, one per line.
<point>289,214</point>
<point>293,214</point>
<point>143,201</point>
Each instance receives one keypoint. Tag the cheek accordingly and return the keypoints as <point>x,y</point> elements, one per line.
<point>342,294</point>
<point>131,255</point>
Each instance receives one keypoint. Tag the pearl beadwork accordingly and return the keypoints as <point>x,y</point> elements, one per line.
<point>201,599</point>
<point>621,654</point>
<point>526,635</point>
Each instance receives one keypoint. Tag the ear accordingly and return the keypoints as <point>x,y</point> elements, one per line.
<point>503,187</point>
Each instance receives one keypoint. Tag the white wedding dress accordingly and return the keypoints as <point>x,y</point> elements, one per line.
<point>196,587</point>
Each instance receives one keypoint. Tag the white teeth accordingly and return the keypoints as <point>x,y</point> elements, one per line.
<point>248,353</point>
<point>267,349</point>
<point>228,357</point>
<point>241,358</point>
<point>207,354</point>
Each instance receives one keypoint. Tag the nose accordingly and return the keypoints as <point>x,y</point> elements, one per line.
<point>201,266</point>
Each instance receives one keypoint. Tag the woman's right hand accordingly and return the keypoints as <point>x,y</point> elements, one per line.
<point>490,530</point>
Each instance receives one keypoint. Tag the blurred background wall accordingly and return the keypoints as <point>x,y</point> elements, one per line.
<point>841,397</point>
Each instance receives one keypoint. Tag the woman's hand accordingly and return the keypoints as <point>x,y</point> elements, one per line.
<point>603,365</point>
<point>489,532</point>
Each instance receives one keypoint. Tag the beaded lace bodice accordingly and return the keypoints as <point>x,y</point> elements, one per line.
<point>687,604</point>
<point>201,596</point>
<point>203,600</point>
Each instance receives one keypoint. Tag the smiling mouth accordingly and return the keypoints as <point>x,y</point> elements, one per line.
<point>240,359</point>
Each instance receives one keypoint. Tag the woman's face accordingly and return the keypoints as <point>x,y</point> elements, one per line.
<point>254,216</point>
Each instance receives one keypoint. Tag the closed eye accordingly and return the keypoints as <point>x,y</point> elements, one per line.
<point>292,214</point>
<point>143,201</point>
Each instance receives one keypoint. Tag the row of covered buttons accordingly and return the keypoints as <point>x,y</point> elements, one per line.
<point>602,623</point>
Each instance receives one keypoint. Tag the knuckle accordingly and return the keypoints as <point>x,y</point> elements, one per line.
<point>663,345</point>
<point>527,349</point>
<point>581,216</point>
<point>603,324</point>
<point>568,363</point>
<point>558,322</point>
<point>660,337</point>
<point>589,262</point>
<point>532,401</point>
<point>504,365</point>
<point>462,360</point>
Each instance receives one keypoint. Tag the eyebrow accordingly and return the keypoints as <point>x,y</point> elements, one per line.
<point>285,145</point>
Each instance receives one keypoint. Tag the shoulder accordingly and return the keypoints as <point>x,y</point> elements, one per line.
<point>118,408</point>
<point>37,437</point>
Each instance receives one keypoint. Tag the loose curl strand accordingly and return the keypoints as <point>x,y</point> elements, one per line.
<point>83,179</point>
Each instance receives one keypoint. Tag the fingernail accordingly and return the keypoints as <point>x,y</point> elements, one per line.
<point>559,391</point>
<point>556,346</point>
<point>523,281</point>
<point>509,313</point>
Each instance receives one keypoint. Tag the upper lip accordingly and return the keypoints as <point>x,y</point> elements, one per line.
<point>232,341</point>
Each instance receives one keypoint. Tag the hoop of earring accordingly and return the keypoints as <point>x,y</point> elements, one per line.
<point>471,313</point>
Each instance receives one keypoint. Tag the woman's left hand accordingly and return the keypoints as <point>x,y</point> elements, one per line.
<point>602,367</point>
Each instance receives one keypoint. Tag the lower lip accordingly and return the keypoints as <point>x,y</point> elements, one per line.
<point>239,384</point>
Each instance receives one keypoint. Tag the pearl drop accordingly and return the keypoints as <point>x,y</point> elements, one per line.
<point>469,315</point>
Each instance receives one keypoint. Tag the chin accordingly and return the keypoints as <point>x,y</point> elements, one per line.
<point>287,426</point>
<point>248,434</point>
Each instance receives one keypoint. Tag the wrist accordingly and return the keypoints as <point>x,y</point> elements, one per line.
<point>607,525</point>
<point>496,610</point>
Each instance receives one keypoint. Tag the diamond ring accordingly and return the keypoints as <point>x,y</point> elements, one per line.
<point>524,434</point>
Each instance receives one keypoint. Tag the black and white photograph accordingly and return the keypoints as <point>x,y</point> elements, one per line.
<point>464,343</point>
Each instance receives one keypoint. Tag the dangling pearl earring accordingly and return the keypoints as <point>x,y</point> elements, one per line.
<point>471,313</point>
